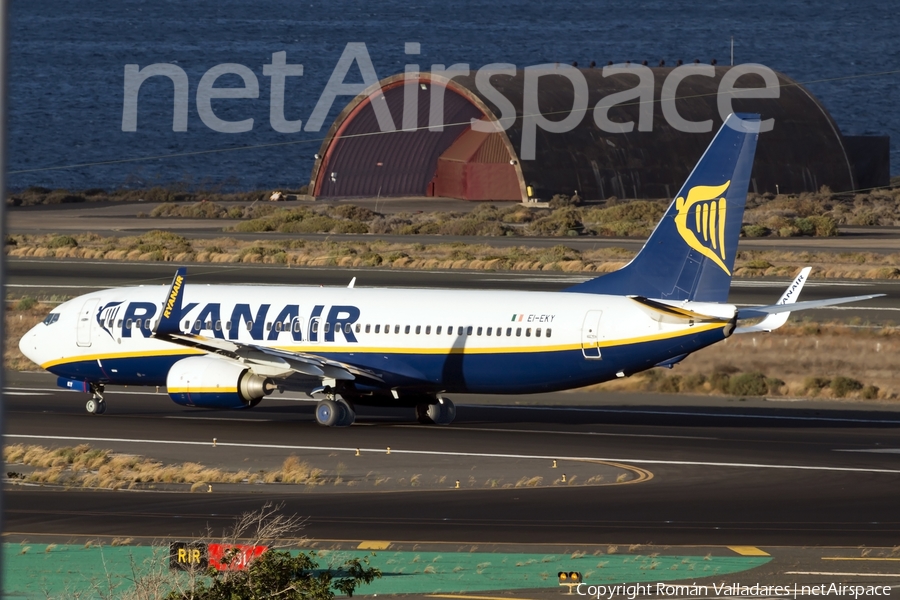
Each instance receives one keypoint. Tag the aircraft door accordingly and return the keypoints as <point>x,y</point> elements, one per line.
<point>85,322</point>
<point>590,335</point>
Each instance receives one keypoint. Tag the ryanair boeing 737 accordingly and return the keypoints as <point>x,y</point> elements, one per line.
<point>221,346</point>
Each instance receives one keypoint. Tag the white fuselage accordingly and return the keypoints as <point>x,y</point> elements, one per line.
<point>423,339</point>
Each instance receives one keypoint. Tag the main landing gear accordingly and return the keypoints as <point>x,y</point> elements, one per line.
<point>335,413</point>
<point>96,405</point>
<point>440,413</point>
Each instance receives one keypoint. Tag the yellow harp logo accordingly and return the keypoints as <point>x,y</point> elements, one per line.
<point>702,217</point>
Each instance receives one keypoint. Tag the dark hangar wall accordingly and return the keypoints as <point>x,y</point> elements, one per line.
<point>803,152</point>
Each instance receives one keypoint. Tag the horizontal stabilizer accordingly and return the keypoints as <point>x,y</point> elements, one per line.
<point>755,312</point>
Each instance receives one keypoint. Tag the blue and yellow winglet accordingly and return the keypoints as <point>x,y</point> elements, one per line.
<point>171,313</point>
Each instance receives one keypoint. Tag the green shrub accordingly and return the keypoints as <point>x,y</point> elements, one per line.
<point>62,241</point>
<point>353,213</point>
<point>814,385</point>
<point>310,224</point>
<point>755,230</point>
<point>841,386</point>
<point>690,383</point>
<point>758,263</point>
<point>371,259</point>
<point>748,384</point>
<point>561,200</point>
<point>670,385</point>
<point>559,222</point>
<point>26,303</point>
<point>350,227</point>
<point>430,228</point>
<point>824,226</point>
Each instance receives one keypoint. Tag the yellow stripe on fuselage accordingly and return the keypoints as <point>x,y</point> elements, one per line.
<point>113,355</point>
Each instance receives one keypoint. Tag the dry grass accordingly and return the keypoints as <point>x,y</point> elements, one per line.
<point>18,322</point>
<point>36,195</point>
<point>801,359</point>
<point>83,466</point>
<point>169,247</point>
<point>165,246</point>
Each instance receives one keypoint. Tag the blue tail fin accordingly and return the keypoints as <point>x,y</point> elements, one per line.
<point>690,254</point>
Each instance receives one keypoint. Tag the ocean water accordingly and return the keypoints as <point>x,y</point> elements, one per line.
<point>67,65</point>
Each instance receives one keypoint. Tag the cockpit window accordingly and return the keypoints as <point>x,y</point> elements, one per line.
<point>51,319</point>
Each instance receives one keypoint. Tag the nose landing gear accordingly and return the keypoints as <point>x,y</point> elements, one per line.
<point>96,405</point>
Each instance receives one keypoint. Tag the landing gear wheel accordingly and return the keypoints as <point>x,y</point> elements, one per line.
<point>328,413</point>
<point>422,414</point>
<point>348,415</point>
<point>441,413</point>
<point>95,406</point>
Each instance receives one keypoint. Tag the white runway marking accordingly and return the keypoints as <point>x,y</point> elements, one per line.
<point>829,574</point>
<point>641,461</point>
<point>873,450</point>
<point>8,393</point>
<point>753,283</point>
<point>694,414</point>
<point>68,287</point>
<point>545,431</point>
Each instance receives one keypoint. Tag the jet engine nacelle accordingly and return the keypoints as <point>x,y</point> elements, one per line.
<point>210,382</point>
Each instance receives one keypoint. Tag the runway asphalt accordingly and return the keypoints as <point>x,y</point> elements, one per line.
<point>69,278</point>
<point>722,472</point>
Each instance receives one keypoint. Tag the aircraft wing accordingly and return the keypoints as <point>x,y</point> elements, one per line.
<point>271,362</point>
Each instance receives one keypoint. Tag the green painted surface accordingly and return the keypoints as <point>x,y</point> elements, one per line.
<point>72,571</point>
<point>67,571</point>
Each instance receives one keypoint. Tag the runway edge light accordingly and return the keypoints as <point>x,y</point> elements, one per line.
<point>569,579</point>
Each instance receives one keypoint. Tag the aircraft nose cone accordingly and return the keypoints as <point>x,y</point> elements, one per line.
<point>29,345</point>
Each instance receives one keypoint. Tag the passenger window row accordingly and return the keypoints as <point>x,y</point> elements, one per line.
<point>459,330</point>
<point>347,328</point>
